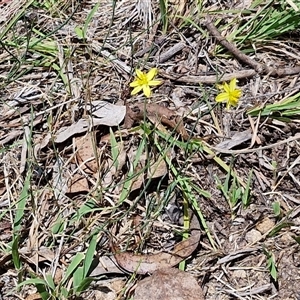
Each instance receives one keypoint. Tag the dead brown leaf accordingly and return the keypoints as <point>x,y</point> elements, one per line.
<point>156,169</point>
<point>35,296</point>
<point>78,184</point>
<point>161,114</point>
<point>106,265</point>
<point>144,264</point>
<point>169,284</point>
<point>86,151</point>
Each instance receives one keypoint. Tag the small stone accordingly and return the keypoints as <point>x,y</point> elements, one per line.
<point>265,225</point>
<point>253,236</point>
<point>99,295</point>
<point>286,239</point>
<point>239,274</point>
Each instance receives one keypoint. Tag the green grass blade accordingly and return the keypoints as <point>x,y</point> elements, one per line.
<point>15,253</point>
<point>21,204</point>
<point>246,194</point>
<point>77,277</point>
<point>42,291</point>
<point>90,17</point>
<point>163,6</point>
<point>85,283</point>
<point>89,256</point>
<point>33,281</point>
<point>72,267</point>
<point>50,282</point>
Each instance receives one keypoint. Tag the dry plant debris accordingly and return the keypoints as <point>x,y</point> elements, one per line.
<point>147,264</point>
<point>98,181</point>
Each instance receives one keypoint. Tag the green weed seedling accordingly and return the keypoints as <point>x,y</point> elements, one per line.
<point>276,209</point>
<point>74,281</point>
<point>283,222</point>
<point>271,263</point>
<point>81,31</point>
<point>234,192</point>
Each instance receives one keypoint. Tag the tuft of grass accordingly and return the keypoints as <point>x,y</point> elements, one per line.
<point>82,31</point>
<point>35,49</point>
<point>74,281</point>
<point>284,110</point>
<point>234,193</point>
<point>271,264</point>
<point>270,21</point>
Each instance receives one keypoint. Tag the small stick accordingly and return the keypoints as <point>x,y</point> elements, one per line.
<point>259,68</point>
<point>171,52</point>
<point>208,79</point>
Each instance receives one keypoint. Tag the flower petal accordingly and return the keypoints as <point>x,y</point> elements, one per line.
<point>146,90</point>
<point>233,102</point>
<point>134,83</point>
<point>151,74</point>
<point>226,88</point>
<point>139,73</point>
<point>232,84</point>
<point>154,82</point>
<point>222,97</point>
<point>136,90</point>
<point>237,93</point>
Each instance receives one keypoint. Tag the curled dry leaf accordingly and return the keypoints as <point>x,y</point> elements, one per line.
<point>161,114</point>
<point>168,284</point>
<point>237,139</point>
<point>103,113</point>
<point>78,183</point>
<point>86,152</point>
<point>66,132</point>
<point>144,264</point>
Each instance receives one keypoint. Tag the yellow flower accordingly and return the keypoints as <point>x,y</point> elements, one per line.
<point>143,81</point>
<point>230,94</point>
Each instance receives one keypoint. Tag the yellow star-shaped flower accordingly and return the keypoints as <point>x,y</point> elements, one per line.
<point>143,81</point>
<point>230,93</point>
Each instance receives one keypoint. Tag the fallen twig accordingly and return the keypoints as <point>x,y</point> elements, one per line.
<point>233,49</point>
<point>259,68</point>
<point>210,79</point>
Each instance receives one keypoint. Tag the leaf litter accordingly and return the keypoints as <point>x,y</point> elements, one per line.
<point>86,176</point>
